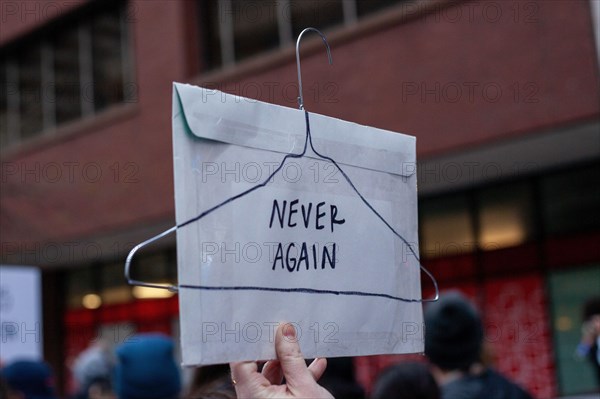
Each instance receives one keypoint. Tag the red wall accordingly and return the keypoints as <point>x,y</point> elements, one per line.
<point>128,145</point>
<point>547,52</point>
<point>544,54</point>
<point>21,17</point>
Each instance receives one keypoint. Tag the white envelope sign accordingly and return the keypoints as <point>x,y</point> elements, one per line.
<point>300,245</point>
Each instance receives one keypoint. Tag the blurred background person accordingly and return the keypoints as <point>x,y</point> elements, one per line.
<point>28,379</point>
<point>339,379</point>
<point>453,344</point>
<point>410,380</point>
<point>211,382</point>
<point>3,388</point>
<point>93,370</point>
<point>146,368</point>
<point>590,335</point>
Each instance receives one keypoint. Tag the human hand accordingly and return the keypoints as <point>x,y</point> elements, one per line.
<point>300,381</point>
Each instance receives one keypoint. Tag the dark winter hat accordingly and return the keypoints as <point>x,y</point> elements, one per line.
<point>453,332</point>
<point>32,378</point>
<point>591,308</point>
<point>146,368</point>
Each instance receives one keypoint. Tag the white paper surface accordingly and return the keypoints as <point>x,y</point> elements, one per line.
<point>304,248</point>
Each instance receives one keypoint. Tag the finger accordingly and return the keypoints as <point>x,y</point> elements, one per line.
<point>241,372</point>
<point>317,367</point>
<point>288,352</point>
<point>272,372</point>
<point>246,374</point>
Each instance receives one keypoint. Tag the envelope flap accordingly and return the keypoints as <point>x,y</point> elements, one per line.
<point>214,115</point>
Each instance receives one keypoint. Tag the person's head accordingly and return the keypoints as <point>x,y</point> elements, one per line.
<point>93,371</point>
<point>453,332</point>
<point>591,308</point>
<point>212,381</point>
<point>339,379</point>
<point>410,380</point>
<point>28,379</point>
<point>591,318</point>
<point>100,388</point>
<point>146,368</point>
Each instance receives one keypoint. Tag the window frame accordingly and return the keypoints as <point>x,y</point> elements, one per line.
<point>228,54</point>
<point>80,19</point>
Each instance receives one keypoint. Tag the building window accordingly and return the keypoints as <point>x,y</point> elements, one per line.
<point>104,284</point>
<point>67,75</point>
<point>505,216</point>
<point>155,268</point>
<point>571,201</point>
<point>254,30</point>
<point>113,287</point>
<point>81,291</point>
<point>209,14</point>
<point>318,14</point>
<point>446,227</point>
<point>29,61</point>
<point>237,29</point>
<point>234,30</point>
<point>106,31</point>
<point>3,104</point>
<point>365,7</point>
<point>510,215</point>
<point>65,71</point>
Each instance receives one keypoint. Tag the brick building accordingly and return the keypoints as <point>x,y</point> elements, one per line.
<point>503,97</point>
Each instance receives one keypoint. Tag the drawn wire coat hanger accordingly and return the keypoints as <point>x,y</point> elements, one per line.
<point>307,141</point>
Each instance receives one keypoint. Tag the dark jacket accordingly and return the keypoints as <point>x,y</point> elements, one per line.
<point>593,356</point>
<point>488,385</point>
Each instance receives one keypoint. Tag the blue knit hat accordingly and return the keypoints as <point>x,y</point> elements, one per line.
<point>30,377</point>
<point>146,368</point>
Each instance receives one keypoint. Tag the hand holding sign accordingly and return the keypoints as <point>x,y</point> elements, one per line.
<point>300,381</point>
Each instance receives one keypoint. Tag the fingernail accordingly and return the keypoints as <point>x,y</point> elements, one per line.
<point>289,331</point>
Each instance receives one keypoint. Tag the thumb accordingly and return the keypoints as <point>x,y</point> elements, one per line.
<point>292,362</point>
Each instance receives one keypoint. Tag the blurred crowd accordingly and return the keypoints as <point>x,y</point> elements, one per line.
<point>144,367</point>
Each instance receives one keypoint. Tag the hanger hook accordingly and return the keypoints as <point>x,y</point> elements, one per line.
<point>301,97</point>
